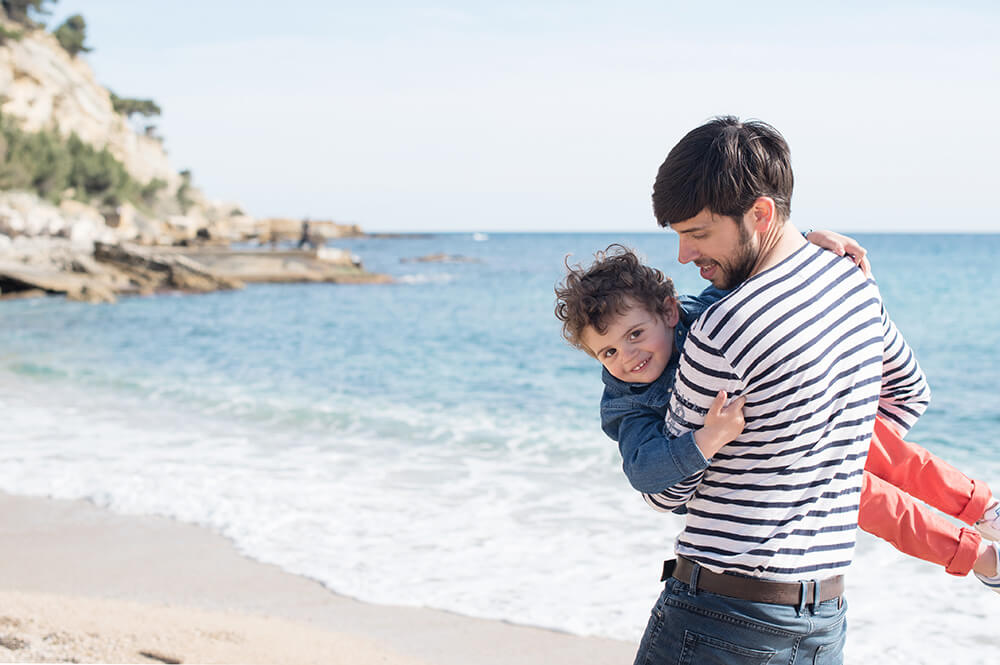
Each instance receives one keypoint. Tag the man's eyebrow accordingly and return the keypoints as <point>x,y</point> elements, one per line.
<point>693,229</point>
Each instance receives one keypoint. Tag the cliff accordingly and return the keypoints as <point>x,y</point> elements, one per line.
<point>47,247</point>
<point>45,88</point>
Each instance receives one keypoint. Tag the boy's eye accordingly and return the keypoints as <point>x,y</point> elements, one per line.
<point>609,353</point>
<point>635,334</point>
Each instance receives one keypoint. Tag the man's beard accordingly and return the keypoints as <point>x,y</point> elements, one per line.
<point>738,270</point>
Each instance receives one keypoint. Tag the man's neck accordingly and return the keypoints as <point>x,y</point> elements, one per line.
<point>776,245</point>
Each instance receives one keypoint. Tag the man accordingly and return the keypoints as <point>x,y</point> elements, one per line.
<point>771,518</point>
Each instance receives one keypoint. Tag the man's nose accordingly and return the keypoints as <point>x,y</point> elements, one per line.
<point>686,251</point>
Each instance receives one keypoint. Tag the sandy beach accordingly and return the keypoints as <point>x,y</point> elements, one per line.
<point>81,584</point>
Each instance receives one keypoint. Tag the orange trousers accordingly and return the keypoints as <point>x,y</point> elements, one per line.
<point>899,475</point>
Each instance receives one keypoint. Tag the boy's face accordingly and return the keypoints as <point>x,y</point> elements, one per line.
<point>636,346</point>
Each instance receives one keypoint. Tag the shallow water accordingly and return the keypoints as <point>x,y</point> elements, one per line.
<point>433,442</point>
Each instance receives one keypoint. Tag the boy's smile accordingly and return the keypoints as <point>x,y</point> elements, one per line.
<point>637,345</point>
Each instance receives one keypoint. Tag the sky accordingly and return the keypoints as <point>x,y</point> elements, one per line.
<point>554,116</point>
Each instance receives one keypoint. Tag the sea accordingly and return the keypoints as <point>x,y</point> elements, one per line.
<point>434,442</point>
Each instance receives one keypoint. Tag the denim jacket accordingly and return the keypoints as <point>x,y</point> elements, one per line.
<point>633,414</point>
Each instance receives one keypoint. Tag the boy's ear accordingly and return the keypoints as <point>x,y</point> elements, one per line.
<point>673,311</point>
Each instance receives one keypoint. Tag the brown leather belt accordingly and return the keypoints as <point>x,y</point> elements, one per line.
<point>754,589</point>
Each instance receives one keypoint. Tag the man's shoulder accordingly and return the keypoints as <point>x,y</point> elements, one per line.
<point>811,279</point>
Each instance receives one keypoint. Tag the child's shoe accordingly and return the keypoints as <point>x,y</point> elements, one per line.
<point>989,525</point>
<point>992,582</point>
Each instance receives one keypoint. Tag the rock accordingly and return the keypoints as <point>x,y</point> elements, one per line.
<point>13,643</point>
<point>92,292</point>
<point>11,220</point>
<point>162,269</point>
<point>322,265</point>
<point>19,277</point>
<point>286,228</point>
<point>22,295</point>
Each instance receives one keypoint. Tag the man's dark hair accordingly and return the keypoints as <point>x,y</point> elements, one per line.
<point>724,165</point>
<point>613,283</point>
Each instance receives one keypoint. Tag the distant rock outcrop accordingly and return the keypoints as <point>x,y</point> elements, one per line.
<point>75,249</point>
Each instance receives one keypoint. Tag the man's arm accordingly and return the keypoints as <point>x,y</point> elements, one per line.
<point>905,393</point>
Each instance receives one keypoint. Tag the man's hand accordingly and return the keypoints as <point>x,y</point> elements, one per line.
<point>842,245</point>
<point>722,424</point>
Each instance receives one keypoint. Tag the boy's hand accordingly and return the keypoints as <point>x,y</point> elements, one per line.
<point>722,424</point>
<point>842,245</point>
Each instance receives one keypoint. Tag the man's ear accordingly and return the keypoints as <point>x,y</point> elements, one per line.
<point>762,215</point>
<point>673,312</point>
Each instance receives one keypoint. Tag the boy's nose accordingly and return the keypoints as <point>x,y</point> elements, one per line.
<point>629,356</point>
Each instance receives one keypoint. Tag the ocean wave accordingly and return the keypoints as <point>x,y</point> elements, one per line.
<point>426,278</point>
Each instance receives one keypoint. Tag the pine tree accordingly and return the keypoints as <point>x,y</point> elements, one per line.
<point>19,10</point>
<point>72,34</point>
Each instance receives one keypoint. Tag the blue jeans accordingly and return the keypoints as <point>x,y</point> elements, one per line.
<point>708,629</point>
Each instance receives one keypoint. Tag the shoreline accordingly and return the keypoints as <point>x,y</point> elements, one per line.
<point>75,576</point>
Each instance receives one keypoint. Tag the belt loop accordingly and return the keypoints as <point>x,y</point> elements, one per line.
<point>803,587</point>
<point>693,582</point>
<point>816,596</point>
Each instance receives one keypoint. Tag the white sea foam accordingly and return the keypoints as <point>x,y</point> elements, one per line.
<point>435,510</point>
<point>426,278</point>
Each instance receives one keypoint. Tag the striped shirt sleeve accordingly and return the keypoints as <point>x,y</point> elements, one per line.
<point>674,498</point>
<point>905,394</point>
<point>704,371</point>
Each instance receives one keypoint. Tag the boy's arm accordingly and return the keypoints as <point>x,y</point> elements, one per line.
<point>652,460</point>
<point>704,372</point>
<point>842,245</point>
<point>905,393</point>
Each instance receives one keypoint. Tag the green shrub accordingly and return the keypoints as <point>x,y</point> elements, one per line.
<point>183,197</point>
<point>48,164</point>
<point>151,190</point>
<point>130,107</point>
<point>71,35</point>
<point>7,35</point>
<point>37,161</point>
<point>20,10</point>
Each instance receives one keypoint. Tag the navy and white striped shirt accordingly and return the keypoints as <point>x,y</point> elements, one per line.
<point>810,346</point>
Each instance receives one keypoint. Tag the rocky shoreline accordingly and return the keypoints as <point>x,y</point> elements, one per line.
<point>75,251</point>
<point>126,222</point>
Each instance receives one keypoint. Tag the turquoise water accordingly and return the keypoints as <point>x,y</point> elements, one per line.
<point>334,429</point>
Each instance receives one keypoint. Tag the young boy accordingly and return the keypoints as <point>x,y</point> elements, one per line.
<point>628,316</point>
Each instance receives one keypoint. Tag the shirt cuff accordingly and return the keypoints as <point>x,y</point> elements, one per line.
<point>687,456</point>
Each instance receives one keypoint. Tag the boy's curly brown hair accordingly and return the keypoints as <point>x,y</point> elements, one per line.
<point>590,296</point>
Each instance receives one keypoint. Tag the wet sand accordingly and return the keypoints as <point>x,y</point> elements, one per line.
<point>82,584</point>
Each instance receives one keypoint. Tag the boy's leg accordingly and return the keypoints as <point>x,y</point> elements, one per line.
<point>912,528</point>
<point>925,476</point>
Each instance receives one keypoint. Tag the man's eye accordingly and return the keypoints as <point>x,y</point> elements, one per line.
<point>609,353</point>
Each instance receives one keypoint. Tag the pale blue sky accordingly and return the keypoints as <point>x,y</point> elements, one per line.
<point>556,115</point>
